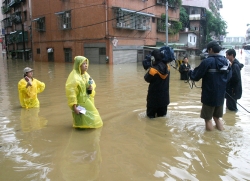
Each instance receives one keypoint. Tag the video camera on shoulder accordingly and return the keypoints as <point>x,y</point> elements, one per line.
<point>167,57</point>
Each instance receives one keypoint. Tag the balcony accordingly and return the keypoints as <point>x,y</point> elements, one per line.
<point>16,18</point>
<point>16,37</point>
<point>133,20</point>
<point>13,3</point>
<point>5,9</point>
<point>7,22</point>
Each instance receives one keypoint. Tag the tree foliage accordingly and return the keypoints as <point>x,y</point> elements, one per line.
<point>175,26</point>
<point>184,17</point>
<point>175,3</point>
<point>215,26</point>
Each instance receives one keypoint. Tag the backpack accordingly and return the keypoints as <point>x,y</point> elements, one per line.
<point>168,53</point>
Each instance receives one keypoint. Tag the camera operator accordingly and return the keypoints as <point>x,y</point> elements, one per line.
<point>158,90</point>
<point>215,72</point>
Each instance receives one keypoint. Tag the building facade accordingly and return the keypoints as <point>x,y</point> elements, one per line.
<point>197,26</point>
<point>16,26</point>
<point>213,5</point>
<point>102,30</point>
<point>196,9</point>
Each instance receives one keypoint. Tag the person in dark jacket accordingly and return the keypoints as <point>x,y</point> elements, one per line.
<point>234,86</point>
<point>158,90</point>
<point>184,69</point>
<point>215,72</point>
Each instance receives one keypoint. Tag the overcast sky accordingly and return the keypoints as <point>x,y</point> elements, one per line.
<point>237,16</point>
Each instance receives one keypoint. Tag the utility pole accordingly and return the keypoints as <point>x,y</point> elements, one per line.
<point>166,22</point>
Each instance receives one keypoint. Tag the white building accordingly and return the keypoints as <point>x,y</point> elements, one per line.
<point>234,40</point>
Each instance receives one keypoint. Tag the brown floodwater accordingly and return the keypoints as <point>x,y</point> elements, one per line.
<point>40,143</point>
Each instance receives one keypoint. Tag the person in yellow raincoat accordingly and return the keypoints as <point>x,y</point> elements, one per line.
<point>77,86</point>
<point>28,88</point>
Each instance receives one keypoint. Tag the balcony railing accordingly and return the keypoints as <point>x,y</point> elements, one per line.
<point>5,9</point>
<point>7,22</point>
<point>16,18</point>
<point>13,3</point>
<point>16,37</point>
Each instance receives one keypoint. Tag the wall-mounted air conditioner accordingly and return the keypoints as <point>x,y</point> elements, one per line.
<point>144,27</point>
<point>64,26</point>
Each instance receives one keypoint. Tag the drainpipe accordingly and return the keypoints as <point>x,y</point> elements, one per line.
<point>106,14</point>
<point>23,43</point>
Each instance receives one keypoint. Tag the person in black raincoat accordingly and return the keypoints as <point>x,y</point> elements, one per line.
<point>234,86</point>
<point>158,90</point>
<point>215,72</point>
<point>184,69</point>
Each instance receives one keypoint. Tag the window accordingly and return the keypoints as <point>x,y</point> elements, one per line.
<point>68,54</point>
<point>38,50</point>
<point>40,24</point>
<point>25,15</point>
<point>102,51</point>
<point>64,20</point>
<point>130,19</point>
<point>142,22</point>
<point>153,19</point>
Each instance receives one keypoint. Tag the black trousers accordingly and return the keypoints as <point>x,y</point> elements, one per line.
<point>231,103</point>
<point>153,112</point>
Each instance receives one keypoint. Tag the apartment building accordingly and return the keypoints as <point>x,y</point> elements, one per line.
<point>213,5</point>
<point>16,26</point>
<point>102,30</point>
<point>196,9</point>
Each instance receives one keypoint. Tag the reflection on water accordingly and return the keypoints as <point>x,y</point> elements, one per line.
<point>40,144</point>
<point>30,120</point>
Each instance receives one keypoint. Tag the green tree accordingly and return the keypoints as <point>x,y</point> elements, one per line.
<point>175,3</point>
<point>175,26</point>
<point>215,26</point>
<point>184,17</point>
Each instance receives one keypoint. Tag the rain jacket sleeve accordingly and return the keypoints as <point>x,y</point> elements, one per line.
<point>28,96</point>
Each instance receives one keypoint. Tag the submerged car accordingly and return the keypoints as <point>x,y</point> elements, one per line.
<point>203,54</point>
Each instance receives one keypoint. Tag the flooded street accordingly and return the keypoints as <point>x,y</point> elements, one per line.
<point>40,143</point>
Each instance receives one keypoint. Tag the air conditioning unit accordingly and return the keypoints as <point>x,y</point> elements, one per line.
<point>64,26</point>
<point>119,24</point>
<point>67,15</point>
<point>144,27</point>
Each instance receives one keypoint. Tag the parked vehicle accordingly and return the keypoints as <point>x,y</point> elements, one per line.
<point>203,54</point>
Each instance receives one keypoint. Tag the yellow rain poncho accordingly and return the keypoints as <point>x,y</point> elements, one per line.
<point>28,96</point>
<point>76,92</point>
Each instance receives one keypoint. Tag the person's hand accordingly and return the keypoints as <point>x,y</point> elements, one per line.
<point>28,84</point>
<point>76,110</point>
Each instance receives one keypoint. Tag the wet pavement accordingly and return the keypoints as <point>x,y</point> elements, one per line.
<point>40,143</point>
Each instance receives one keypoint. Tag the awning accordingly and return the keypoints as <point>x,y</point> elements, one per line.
<point>50,50</point>
<point>37,19</point>
<point>59,13</point>
<point>140,13</point>
<point>21,50</point>
<point>62,12</point>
